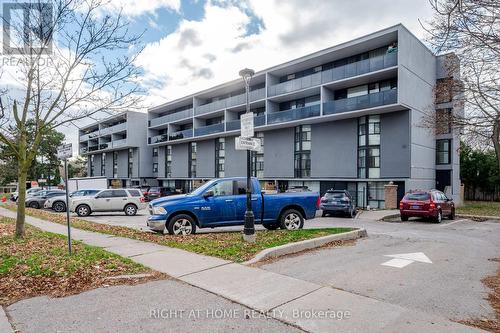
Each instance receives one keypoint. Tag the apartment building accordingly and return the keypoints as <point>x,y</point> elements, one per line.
<point>116,148</point>
<point>347,117</point>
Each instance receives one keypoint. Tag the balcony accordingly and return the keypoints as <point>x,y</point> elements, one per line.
<point>334,74</point>
<point>90,135</point>
<point>361,102</point>
<point>93,148</point>
<point>181,135</point>
<point>294,114</point>
<point>254,95</point>
<point>84,150</point>
<point>119,143</point>
<point>210,129</point>
<point>171,117</point>
<point>113,129</point>
<point>158,138</point>
<point>235,124</point>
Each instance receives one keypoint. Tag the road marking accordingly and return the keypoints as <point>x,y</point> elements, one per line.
<point>404,259</point>
<point>451,223</point>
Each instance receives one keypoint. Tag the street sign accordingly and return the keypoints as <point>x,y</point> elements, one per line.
<point>247,125</point>
<point>65,151</point>
<point>247,144</point>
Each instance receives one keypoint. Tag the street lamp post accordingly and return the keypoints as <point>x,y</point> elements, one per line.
<point>249,228</point>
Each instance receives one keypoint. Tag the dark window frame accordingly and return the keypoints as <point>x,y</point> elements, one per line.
<point>438,151</point>
<point>302,156</point>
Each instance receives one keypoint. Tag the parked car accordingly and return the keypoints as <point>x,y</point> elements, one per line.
<point>38,199</point>
<point>337,201</point>
<point>58,204</point>
<point>156,192</point>
<point>222,202</point>
<point>29,192</point>
<point>431,204</point>
<point>124,200</point>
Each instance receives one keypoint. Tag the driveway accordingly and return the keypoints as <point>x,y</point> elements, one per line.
<point>449,286</point>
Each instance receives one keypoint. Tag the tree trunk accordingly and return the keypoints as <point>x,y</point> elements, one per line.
<point>495,138</point>
<point>21,199</point>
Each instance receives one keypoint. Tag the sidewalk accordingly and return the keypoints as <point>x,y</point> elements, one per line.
<point>377,214</point>
<point>310,306</point>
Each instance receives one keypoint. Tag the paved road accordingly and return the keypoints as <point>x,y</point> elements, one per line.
<point>449,286</point>
<point>160,306</point>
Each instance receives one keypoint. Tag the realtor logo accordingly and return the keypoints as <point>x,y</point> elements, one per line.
<point>27,28</point>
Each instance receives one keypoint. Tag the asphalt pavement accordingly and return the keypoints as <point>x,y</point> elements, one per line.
<point>448,283</point>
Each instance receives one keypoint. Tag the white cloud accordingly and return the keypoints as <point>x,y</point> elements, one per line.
<point>200,54</point>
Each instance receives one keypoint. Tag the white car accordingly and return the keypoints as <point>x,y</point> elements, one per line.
<point>29,192</point>
<point>127,200</point>
<point>58,204</point>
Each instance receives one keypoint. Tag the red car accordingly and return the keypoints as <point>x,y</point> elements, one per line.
<point>428,204</point>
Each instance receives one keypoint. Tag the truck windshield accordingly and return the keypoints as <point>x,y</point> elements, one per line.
<point>202,188</point>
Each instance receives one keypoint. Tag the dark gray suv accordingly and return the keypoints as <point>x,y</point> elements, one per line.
<point>337,202</point>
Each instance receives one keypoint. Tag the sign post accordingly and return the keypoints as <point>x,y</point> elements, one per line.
<point>63,153</point>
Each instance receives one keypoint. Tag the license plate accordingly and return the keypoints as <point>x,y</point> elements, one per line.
<point>415,207</point>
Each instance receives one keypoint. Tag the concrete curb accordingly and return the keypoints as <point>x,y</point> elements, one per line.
<point>479,217</point>
<point>5,326</point>
<point>308,244</point>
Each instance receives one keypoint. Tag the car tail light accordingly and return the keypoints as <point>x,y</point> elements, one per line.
<point>401,204</point>
<point>318,201</point>
<point>432,205</point>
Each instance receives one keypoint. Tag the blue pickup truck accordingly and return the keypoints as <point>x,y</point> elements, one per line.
<point>222,202</point>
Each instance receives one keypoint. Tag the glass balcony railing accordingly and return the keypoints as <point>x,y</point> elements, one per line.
<point>119,143</point>
<point>171,117</point>
<point>113,129</point>
<point>254,95</point>
<point>93,148</point>
<point>158,138</point>
<point>90,135</point>
<point>337,73</point>
<point>294,114</point>
<point>210,129</point>
<point>105,145</point>
<point>236,124</point>
<point>361,102</point>
<point>181,134</point>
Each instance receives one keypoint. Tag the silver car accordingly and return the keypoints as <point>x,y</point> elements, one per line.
<point>58,204</point>
<point>124,200</point>
<point>38,200</point>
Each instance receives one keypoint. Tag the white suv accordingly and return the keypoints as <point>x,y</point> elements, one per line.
<point>110,200</point>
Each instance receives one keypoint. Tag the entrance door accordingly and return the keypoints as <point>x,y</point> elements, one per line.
<point>443,179</point>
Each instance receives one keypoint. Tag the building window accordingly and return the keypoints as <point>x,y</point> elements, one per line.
<point>369,147</point>
<point>220,147</point>
<point>443,148</point>
<point>443,121</point>
<point>303,151</point>
<point>130,162</point>
<point>155,167</point>
<point>115,164</point>
<point>92,165</point>
<point>258,158</point>
<point>155,152</point>
<point>168,161</point>
<point>103,164</point>
<point>192,160</point>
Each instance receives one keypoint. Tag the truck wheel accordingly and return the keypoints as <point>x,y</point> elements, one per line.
<point>130,210</point>
<point>291,220</point>
<point>83,210</point>
<point>181,225</point>
<point>59,206</point>
<point>271,226</point>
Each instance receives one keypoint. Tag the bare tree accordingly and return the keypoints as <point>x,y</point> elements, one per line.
<point>71,61</point>
<point>471,30</point>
